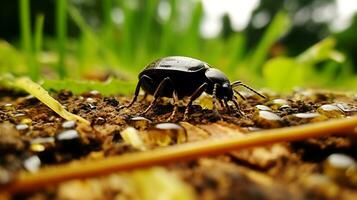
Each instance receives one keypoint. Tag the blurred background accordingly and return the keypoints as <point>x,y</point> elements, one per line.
<point>104,44</point>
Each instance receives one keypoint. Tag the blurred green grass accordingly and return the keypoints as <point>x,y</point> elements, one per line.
<point>121,51</point>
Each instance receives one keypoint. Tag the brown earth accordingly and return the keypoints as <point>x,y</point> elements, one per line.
<point>33,137</point>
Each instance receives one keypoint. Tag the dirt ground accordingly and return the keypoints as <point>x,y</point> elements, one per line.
<point>33,137</point>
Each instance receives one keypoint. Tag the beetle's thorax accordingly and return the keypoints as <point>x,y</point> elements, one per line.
<point>223,88</point>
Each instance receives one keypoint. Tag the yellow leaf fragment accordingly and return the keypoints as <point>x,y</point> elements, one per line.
<point>41,94</point>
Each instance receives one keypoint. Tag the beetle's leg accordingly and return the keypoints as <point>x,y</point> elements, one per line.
<point>222,104</point>
<point>137,90</point>
<point>194,96</point>
<point>157,94</point>
<point>240,95</point>
<point>227,106</point>
<point>239,83</point>
<point>237,107</point>
<point>175,97</point>
<point>214,97</point>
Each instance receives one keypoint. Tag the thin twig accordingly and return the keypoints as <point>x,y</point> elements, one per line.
<point>85,169</point>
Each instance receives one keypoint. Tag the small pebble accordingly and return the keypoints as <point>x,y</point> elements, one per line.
<point>68,124</point>
<point>8,107</point>
<point>269,115</point>
<point>67,135</point>
<point>284,107</point>
<point>42,143</point>
<point>99,121</point>
<point>21,127</point>
<point>267,119</point>
<point>348,109</point>
<point>280,101</point>
<point>340,161</point>
<point>111,101</point>
<point>132,137</point>
<point>330,111</point>
<point>307,115</point>
<point>94,92</point>
<point>263,107</point>
<point>341,168</point>
<point>20,116</point>
<point>32,164</point>
<point>90,100</point>
<point>140,122</point>
<point>26,121</point>
<point>165,134</point>
<point>37,147</point>
<point>303,118</point>
<point>91,106</point>
<point>277,103</point>
<point>5,176</point>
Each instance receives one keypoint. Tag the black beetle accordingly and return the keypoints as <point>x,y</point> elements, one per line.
<point>179,76</point>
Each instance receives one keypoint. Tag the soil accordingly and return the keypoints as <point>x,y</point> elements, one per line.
<point>33,137</point>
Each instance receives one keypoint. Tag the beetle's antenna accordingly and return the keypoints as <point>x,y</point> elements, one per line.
<point>239,83</point>
<point>241,96</point>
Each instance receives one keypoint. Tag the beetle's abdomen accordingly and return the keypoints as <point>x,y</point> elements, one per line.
<point>185,83</point>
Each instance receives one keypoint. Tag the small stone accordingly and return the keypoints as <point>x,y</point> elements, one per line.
<point>42,144</point>
<point>132,137</point>
<point>263,107</point>
<point>20,116</point>
<point>42,140</point>
<point>280,101</point>
<point>26,121</point>
<point>348,109</point>
<point>165,134</point>
<point>99,121</point>
<point>5,176</point>
<point>284,107</point>
<point>91,106</point>
<point>330,111</point>
<point>68,124</point>
<point>341,168</point>
<point>307,115</point>
<point>22,127</point>
<point>94,92</point>
<point>90,100</point>
<point>140,122</point>
<point>111,101</point>
<point>68,135</point>
<point>269,115</point>
<point>267,119</point>
<point>277,103</point>
<point>8,107</point>
<point>37,147</point>
<point>32,164</point>
<point>340,161</point>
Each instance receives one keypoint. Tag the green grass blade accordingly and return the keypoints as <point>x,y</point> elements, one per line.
<point>279,26</point>
<point>61,31</point>
<point>167,32</point>
<point>192,35</point>
<point>25,26</point>
<point>107,6</point>
<point>38,38</point>
<point>26,42</point>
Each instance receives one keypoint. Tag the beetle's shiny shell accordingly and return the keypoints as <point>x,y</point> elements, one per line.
<point>187,74</point>
<point>177,63</point>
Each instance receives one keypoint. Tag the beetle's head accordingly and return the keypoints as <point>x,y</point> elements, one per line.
<point>224,88</point>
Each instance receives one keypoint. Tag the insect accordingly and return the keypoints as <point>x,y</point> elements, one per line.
<point>178,77</point>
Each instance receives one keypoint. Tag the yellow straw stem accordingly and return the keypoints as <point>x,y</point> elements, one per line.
<point>37,91</point>
<point>85,169</point>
